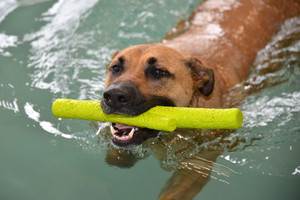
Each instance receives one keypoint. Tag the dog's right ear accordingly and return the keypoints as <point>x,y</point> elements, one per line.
<point>113,54</point>
<point>203,77</point>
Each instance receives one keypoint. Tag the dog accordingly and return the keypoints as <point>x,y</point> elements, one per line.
<point>194,69</point>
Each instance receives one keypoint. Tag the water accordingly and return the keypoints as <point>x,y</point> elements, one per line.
<point>52,49</point>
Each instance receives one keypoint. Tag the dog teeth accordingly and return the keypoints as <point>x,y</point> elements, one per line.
<point>112,130</point>
<point>131,133</point>
<point>124,137</point>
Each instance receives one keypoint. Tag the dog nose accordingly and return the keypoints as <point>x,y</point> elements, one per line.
<point>116,96</point>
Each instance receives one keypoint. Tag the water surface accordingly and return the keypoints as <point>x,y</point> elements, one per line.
<point>52,49</point>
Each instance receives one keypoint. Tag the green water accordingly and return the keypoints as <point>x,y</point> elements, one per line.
<point>52,49</point>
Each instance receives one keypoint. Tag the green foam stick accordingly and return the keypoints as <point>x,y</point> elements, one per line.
<point>158,118</point>
<point>91,110</point>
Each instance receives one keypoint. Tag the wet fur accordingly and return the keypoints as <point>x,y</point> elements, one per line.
<point>204,66</point>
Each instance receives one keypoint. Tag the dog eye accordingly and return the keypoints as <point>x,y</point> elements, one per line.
<point>115,69</point>
<point>159,73</point>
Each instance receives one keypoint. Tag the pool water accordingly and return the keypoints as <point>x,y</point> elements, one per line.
<point>52,49</point>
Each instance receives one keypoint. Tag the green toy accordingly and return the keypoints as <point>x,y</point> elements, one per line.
<point>158,118</point>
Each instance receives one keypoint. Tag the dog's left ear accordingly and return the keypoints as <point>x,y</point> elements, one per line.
<point>203,77</point>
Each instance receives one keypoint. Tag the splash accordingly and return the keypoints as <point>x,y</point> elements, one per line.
<point>7,41</point>
<point>271,116</point>
<point>7,7</point>
<point>57,51</point>
<point>13,106</point>
<point>47,126</point>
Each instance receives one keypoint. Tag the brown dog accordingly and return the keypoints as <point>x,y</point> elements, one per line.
<point>197,68</point>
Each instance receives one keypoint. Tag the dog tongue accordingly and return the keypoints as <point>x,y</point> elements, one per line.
<point>123,127</point>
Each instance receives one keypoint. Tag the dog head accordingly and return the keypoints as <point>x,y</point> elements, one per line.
<point>144,76</point>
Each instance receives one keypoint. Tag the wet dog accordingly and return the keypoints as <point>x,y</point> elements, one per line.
<point>196,68</point>
<point>145,76</point>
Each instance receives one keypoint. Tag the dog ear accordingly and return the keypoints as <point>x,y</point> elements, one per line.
<point>203,77</point>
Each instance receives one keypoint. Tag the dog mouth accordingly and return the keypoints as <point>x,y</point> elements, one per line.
<point>127,136</point>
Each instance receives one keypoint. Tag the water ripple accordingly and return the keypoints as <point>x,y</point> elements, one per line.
<point>57,49</point>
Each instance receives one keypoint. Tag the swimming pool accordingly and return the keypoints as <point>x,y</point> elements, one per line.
<point>53,49</point>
